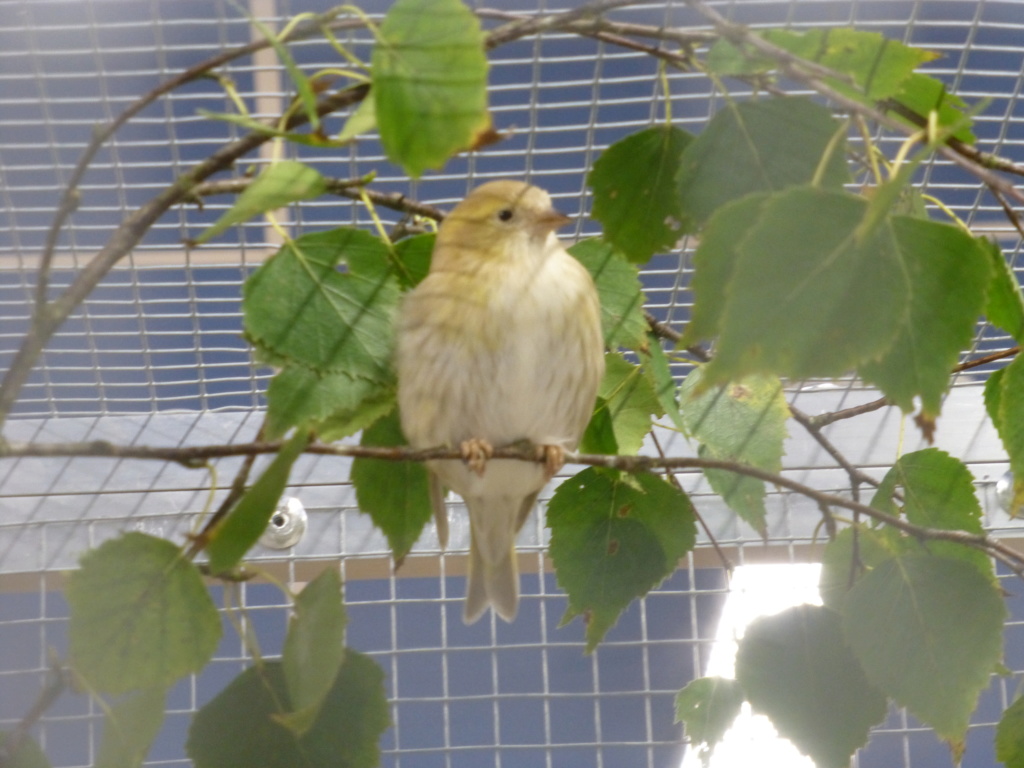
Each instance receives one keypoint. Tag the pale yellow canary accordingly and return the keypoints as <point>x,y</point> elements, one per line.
<point>501,342</point>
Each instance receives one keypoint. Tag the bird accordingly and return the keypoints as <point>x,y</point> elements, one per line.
<point>501,342</point>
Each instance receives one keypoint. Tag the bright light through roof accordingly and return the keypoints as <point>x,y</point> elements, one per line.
<point>755,590</point>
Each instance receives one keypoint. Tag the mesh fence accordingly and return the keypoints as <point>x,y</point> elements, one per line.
<point>156,356</point>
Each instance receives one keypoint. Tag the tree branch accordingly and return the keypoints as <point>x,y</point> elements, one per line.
<point>812,74</point>
<point>195,456</point>
<point>824,419</point>
<point>353,189</point>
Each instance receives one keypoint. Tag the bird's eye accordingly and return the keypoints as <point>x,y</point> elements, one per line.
<point>505,214</point>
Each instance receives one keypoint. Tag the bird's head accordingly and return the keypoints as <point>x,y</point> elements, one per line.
<point>499,218</point>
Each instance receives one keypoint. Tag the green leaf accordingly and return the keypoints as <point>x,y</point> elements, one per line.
<point>140,615</point>
<point>744,422</point>
<point>853,552</point>
<point>301,397</point>
<point>715,264</point>
<point>619,289</point>
<point>808,297</point>
<point>877,65</point>
<point>284,182</point>
<point>938,492</point>
<point>613,539</point>
<point>924,94</point>
<point>630,401</point>
<point>636,198</point>
<point>726,59</point>
<point>658,372</point>
<point>599,436</point>
<point>346,422</point>
<point>130,727</point>
<point>1010,423</point>
<point>239,727</point>
<point>758,146</point>
<point>252,124</point>
<point>395,494</point>
<point>707,707</point>
<point>29,755</point>
<point>314,648</point>
<point>307,96</point>
<point>1010,736</point>
<point>299,309</point>
<point>429,82</point>
<point>796,668</point>
<point>362,120</point>
<point>414,253</point>
<point>994,398</point>
<point>1005,305</point>
<point>949,275</point>
<point>236,533</point>
<point>928,631</point>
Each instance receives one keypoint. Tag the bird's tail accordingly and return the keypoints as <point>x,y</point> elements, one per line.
<point>493,578</point>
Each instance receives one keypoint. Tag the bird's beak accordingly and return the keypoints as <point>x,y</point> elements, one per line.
<point>552,219</point>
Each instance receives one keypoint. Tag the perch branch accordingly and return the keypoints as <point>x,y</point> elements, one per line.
<point>195,456</point>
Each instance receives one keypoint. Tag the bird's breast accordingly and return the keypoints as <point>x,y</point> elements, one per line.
<point>497,355</point>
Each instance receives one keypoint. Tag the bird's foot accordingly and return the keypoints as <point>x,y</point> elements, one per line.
<point>553,457</point>
<point>476,452</point>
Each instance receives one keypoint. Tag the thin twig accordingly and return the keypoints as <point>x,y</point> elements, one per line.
<point>350,188</point>
<point>813,74</point>
<point>127,236</point>
<point>824,419</point>
<point>102,134</point>
<point>200,540</point>
<point>534,25</point>
<point>668,333</point>
<point>985,159</point>
<point>1011,214</point>
<point>857,477</point>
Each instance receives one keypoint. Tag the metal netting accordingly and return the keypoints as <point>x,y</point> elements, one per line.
<point>155,356</point>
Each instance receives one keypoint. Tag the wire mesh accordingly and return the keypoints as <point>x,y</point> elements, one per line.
<point>155,356</point>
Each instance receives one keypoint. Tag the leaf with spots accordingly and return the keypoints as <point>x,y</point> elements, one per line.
<point>613,539</point>
<point>744,422</point>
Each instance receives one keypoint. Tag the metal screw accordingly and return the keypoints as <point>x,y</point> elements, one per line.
<point>287,525</point>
